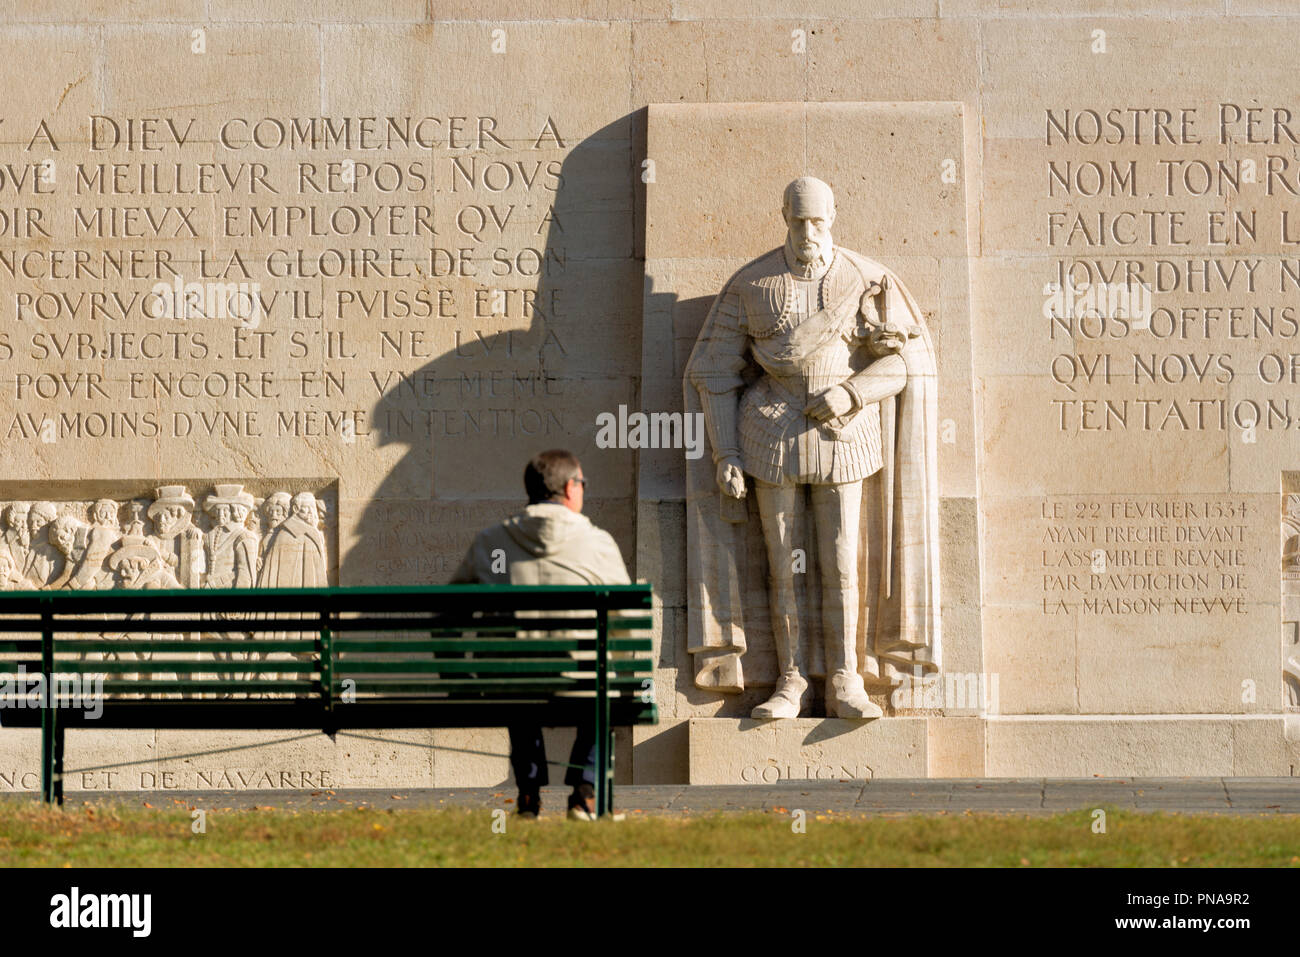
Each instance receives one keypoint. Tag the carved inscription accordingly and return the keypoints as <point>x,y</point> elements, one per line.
<point>1145,556</point>
<point>185,779</point>
<point>771,773</point>
<point>1173,241</point>
<point>283,278</point>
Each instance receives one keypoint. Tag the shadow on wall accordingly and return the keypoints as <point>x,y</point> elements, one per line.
<point>510,386</point>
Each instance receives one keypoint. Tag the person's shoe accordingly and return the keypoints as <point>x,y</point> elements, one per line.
<point>788,701</point>
<point>528,806</point>
<point>582,803</point>
<point>846,697</point>
<point>582,806</point>
<point>583,812</point>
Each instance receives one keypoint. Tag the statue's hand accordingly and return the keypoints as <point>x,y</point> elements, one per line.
<point>831,404</point>
<point>730,477</point>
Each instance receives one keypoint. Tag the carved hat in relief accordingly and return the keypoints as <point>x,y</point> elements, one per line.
<point>169,495</point>
<point>228,495</point>
<point>132,546</point>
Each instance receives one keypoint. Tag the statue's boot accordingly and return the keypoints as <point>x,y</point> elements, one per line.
<point>792,694</point>
<point>790,699</point>
<point>846,693</point>
<point>846,697</point>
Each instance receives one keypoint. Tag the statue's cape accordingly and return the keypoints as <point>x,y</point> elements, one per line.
<point>726,561</point>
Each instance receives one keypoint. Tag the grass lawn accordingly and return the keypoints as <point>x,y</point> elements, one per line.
<point>119,836</point>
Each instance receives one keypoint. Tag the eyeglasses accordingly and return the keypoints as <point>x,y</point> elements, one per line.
<point>580,481</point>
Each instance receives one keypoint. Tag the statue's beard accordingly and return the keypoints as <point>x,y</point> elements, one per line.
<point>809,251</point>
<point>807,258</point>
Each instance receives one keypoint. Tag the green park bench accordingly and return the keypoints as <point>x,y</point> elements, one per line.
<point>441,656</point>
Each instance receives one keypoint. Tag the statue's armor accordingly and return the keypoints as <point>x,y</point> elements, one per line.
<point>766,307</point>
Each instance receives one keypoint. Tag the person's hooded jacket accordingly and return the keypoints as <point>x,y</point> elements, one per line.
<point>545,544</point>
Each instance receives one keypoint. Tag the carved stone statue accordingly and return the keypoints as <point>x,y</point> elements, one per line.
<point>17,537</point>
<point>10,573</point>
<point>275,509</point>
<point>136,564</point>
<point>69,543</point>
<point>1291,600</point>
<point>232,546</point>
<point>177,539</point>
<point>68,535</point>
<point>815,372</point>
<point>232,558</point>
<point>102,535</point>
<point>295,553</point>
<point>44,561</point>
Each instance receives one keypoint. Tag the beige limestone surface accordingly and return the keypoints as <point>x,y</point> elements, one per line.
<point>535,239</point>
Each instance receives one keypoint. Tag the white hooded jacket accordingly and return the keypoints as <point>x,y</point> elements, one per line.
<point>545,544</point>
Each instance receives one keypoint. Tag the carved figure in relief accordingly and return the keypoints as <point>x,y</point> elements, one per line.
<point>49,544</point>
<point>101,536</point>
<point>1291,599</point>
<point>295,552</point>
<point>44,561</point>
<point>816,374</point>
<point>68,535</point>
<point>10,574</point>
<point>232,554</point>
<point>275,509</point>
<point>135,526</point>
<point>1291,533</point>
<point>231,546</point>
<point>136,564</point>
<point>16,536</point>
<point>175,536</point>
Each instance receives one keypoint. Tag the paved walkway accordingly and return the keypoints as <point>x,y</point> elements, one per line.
<point>873,798</point>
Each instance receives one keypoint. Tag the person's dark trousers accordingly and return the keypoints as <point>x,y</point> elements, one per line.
<point>582,759</point>
<point>528,758</point>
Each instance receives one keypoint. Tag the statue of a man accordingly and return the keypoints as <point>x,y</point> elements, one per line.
<point>177,539</point>
<point>816,376</point>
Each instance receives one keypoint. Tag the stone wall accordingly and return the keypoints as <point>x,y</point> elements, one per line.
<point>384,252</point>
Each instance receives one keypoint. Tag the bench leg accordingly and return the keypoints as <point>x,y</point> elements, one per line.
<point>58,763</point>
<point>604,760</point>
<point>51,756</point>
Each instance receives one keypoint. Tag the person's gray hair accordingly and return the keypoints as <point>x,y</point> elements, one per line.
<point>548,473</point>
